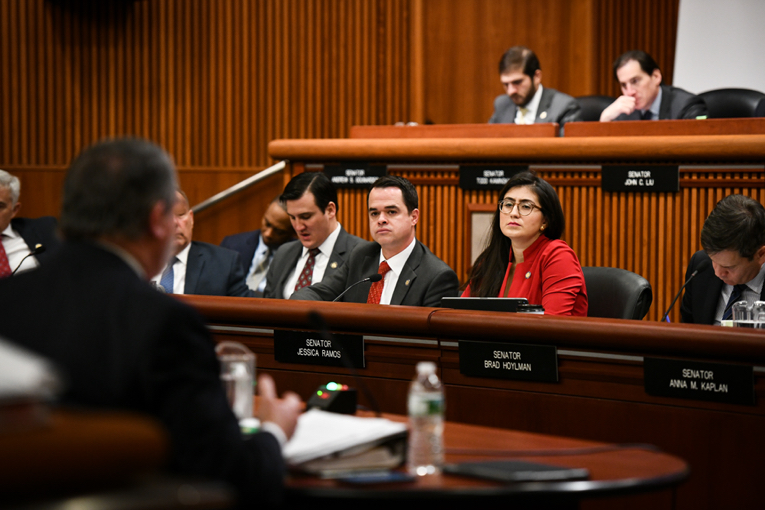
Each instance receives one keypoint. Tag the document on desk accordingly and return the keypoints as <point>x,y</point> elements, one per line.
<point>321,434</point>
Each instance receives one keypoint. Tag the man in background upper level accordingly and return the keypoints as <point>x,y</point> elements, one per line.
<point>411,274</point>
<point>322,246</point>
<point>733,238</point>
<point>22,236</point>
<point>121,344</point>
<point>196,267</point>
<point>644,97</point>
<point>525,100</point>
<point>257,248</point>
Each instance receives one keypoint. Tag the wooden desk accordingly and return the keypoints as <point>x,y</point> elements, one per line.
<point>614,471</point>
<point>600,395</point>
<point>707,127</point>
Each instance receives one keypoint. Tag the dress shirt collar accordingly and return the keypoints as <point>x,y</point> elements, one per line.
<point>328,245</point>
<point>183,256</point>
<point>655,106</point>
<point>533,105</point>
<point>396,262</point>
<point>10,233</point>
<point>126,257</point>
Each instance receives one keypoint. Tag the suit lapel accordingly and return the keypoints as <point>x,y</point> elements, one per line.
<point>337,257</point>
<point>407,276</point>
<point>194,266</point>
<point>666,102</point>
<point>544,104</point>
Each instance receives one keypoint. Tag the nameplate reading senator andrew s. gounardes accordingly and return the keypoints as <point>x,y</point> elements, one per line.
<point>509,361</point>
<point>312,348</point>
<point>714,382</point>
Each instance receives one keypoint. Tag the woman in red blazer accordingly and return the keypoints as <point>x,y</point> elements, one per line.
<point>525,256</point>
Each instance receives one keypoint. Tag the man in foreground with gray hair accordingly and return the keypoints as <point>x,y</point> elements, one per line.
<point>123,345</point>
<point>24,240</point>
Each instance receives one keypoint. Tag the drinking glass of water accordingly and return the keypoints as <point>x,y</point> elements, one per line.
<point>237,373</point>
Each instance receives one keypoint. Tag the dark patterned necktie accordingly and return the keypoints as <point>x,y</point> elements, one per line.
<point>646,115</point>
<point>306,276</point>
<point>168,277</point>
<point>375,291</point>
<point>738,291</point>
<point>5,267</point>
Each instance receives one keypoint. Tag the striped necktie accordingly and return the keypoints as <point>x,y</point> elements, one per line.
<point>168,276</point>
<point>735,296</point>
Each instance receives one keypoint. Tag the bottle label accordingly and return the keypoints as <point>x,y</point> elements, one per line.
<point>424,406</point>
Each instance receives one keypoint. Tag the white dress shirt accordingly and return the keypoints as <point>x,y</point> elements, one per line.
<point>531,107</point>
<point>16,249</point>
<point>320,266</point>
<point>179,271</point>
<point>396,264</point>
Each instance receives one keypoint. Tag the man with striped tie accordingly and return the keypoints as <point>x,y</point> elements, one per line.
<point>411,274</point>
<point>733,238</point>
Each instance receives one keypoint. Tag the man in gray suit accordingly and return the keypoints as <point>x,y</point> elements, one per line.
<point>411,274</point>
<point>323,245</point>
<point>644,97</point>
<point>200,268</point>
<point>525,100</point>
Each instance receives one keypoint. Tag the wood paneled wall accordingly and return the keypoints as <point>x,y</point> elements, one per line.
<point>576,41</point>
<point>212,81</point>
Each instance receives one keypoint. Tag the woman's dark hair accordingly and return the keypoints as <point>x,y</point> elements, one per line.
<point>490,266</point>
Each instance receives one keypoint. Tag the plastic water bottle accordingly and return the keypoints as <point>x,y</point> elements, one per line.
<point>426,422</point>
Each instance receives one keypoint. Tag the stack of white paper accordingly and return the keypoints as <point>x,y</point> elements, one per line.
<point>320,433</point>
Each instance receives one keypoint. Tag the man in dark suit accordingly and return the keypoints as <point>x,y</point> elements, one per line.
<point>412,274</point>
<point>257,248</point>
<point>200,268</point>
<point>121,344</point>
<point>22,237</point>
<point>323,245</point>
<point>525,100</point>
<point>644,97</point>
<point>733,238</point>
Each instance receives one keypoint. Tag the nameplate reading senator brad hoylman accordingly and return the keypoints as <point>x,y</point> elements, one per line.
<point>698,380</point>
<point>509,361</point>
<point>309,347</point>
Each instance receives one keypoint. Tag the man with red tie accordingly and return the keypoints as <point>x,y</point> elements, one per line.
<point>322,245</point>
<point>411,274</point>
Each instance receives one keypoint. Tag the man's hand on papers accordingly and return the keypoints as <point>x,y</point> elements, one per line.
<point>283,411</point>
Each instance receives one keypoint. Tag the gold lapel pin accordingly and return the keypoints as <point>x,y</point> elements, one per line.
<point>407,283</point>
<point>543,115</point>
<point>333,265</point>
<point>528,275</point>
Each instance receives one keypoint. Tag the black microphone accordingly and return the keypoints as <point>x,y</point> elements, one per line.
<point>373,278</point>
<point>318,322</point>
<point>702,267</point>
<point>39,248</point>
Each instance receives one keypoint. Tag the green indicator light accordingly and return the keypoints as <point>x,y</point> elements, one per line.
<point>319,392</point>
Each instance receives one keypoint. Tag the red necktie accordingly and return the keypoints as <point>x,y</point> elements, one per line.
<point>375,291</point>
<point>307,274</point>
<point>5,268</point>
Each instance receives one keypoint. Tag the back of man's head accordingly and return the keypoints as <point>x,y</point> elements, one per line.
<point>646,61</point>
<point>112,187</point>
<point>737,223</point>
<point>11,182</point>
<point>519,57</point>
<point>408,191</point>
<point>317,183</point>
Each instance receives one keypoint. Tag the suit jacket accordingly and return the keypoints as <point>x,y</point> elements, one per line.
<point>122,345</point>
<point>36,231</point>
<point>288,254</point>
<point>702,294</point>
<point>424,280</point>
<point>246,244</point>
<point>554,106</point>
<point>214,271</point>
<point>676,103</point>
